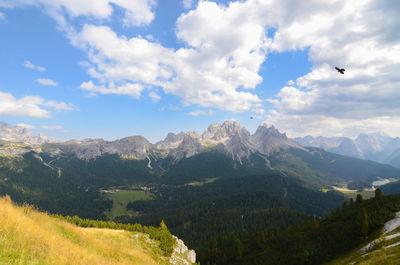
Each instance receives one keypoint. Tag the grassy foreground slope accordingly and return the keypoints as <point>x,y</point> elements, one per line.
<point>31,237</point>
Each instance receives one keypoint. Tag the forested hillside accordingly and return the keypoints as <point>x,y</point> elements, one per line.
<point>312,242</point>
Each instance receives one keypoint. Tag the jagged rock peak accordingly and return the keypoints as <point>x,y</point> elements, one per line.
<point>217,131</point>
<point>263,129</point>
<point>269,139</point>
<point>171,141</point>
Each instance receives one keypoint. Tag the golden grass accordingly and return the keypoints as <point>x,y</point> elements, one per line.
<point>31,237</point>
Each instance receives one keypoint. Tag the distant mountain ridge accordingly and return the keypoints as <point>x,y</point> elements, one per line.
<point>21,134</point>
<point>375,146</point>
<point>227,137</point>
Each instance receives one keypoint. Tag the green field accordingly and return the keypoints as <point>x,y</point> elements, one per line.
<point>122,197</point>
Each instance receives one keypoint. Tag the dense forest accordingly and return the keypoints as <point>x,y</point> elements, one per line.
<point>312,242</point>
<point>196,213</point>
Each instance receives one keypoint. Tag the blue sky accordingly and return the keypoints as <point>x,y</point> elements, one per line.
<point>110,69</point>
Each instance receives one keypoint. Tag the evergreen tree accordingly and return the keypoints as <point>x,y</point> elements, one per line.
<point>359,199</point>
<point>378,195</point>
<point>364,223</point>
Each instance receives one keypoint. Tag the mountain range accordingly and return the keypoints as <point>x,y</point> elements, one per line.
<point>375,146</point>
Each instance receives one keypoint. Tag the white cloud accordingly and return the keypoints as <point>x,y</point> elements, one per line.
<point>130,89</point>
<point>51,127</point>
<point>137,12</point>
<point>224,47</point>
<point>28,64</point>
<point>24,125</point>
<point>29,106</point>
<point>197,113</point>
<point>2,16</point>
<point>208,74</point>
<point>154,96</point>
<point>59,105</point>
<point>201,113</point>
<point>316,125</point>
<point>187,4</point>
<point>259,111</point>
<point>46,82</point>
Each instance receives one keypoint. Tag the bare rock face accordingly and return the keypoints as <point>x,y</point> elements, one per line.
<point>182,255</point>
<point>133,146</point>
<point>267,140</point>
<point>171,141</point>
<point>221,133</point>
<point>189,146</point>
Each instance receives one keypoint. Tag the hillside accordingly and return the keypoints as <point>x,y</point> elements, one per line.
<point>383,250</point>
<point>335,238</point>
<point>28,236</point>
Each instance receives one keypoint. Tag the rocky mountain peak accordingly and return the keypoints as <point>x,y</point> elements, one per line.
<point>171,141</point>
<point>217,132</point>
<point>268,139</point>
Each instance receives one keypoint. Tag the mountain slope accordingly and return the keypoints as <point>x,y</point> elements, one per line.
<point>383,250</point>
<point>32,237</point>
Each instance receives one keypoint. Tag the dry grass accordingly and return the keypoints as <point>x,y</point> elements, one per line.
<point>31,237</point>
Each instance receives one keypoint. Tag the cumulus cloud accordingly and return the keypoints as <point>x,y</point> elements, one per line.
<point>219,68</point>
<point>137,12</point>
<point>29,106</point>
<point>28,64</point>
<point>366,97</point>
<point>46,82</point>
<point>224,46</point>
<point>130,89</point>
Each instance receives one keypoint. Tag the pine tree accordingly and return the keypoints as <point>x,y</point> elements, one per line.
<point>359,199</point>
<point>378,195</point>
<point>364,223</point>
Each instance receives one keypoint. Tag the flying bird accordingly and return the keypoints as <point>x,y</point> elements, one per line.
<point>251,117</point>
<point>340,70</point>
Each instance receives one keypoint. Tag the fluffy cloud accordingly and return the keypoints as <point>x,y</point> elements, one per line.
<point>154,96</point>
<point>132,90</point>
<point>224,47</point>
<point>28,64</point>
<point>360,37</point>
<point>137,12</point>
<point>46,82</point>
<point>29,106</point>
<point>2,16</point>
<point>218,68</point>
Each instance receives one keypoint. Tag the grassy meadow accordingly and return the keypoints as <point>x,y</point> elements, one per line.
<point>31,237</point>
<point>122,197</point>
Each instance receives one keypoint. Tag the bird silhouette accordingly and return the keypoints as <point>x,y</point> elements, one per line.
<point>251,117</point>
<point>340,70</point>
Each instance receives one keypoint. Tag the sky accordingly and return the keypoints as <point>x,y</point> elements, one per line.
<point>114,68</point>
